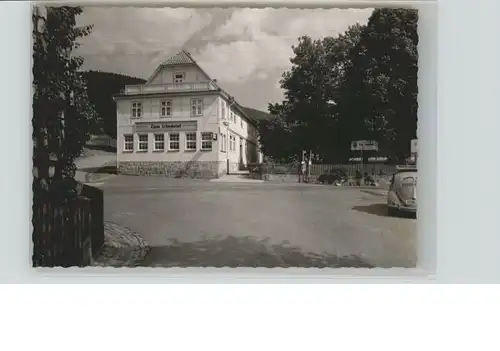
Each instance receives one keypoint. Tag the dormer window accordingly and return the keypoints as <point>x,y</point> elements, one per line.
<point>179,77</point>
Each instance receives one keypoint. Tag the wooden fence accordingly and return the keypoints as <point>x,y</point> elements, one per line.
<point>70,233</point>
<point>350,169</point>
<point>319,169</point>
<point>96,197</point>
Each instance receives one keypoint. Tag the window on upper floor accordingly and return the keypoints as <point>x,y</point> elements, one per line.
<point>232,142</point>
<point>242,123</point>
<point>197,107</point>
<point>223,109</point>
<point>166,108</point>
<point>136,109</point>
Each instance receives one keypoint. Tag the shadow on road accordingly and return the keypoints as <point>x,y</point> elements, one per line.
<point>374,209</point>
<point>382,211</point>
<point>243,252</point>
<point>374,193</point>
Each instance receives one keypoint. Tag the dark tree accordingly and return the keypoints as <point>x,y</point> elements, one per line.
<point>63,117</point>
<point>306,120</point>
<point>378,98</point>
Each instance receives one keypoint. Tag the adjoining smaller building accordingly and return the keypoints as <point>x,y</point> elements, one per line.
<point>180,123</point>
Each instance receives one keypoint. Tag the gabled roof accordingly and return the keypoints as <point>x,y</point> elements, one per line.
<point>257,114</point>
<point>181,58</point>
<point>185,58</point>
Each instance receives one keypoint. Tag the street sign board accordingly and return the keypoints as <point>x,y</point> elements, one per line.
<point>414,146</point>
<point>364,145</point>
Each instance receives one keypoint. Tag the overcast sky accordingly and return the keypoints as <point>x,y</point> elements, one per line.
<point>246,50</point>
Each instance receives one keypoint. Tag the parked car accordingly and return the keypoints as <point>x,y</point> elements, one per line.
<point>402,195</point>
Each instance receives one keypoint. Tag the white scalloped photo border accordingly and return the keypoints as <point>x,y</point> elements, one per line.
<point>437,145</point>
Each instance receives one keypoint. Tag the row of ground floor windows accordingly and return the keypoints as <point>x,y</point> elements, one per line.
<point>140,142</point>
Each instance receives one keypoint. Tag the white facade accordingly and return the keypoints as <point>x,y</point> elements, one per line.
<point>180,123</point>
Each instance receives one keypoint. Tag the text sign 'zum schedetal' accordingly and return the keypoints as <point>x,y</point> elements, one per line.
<point>364,145</point>
<point>178,126</point>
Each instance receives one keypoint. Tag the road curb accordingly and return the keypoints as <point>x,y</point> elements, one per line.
<point>122,247</point>
<point>242,181</point>
<point>92,177</point>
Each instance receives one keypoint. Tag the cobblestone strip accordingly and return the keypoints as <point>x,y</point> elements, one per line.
<point>122,247</point>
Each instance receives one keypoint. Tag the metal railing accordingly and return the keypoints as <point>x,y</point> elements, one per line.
<point>165,88</point>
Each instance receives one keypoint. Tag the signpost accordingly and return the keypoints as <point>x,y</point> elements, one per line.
<point>414,150</point>
<point>414,146</point>
<point>364,145</point>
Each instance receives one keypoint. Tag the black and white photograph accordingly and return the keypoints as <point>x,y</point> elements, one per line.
<point>224,137</point>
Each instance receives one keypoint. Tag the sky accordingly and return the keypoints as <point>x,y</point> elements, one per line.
<point>246,50</point>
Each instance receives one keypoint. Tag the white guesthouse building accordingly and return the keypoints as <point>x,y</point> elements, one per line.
<point>180,123</point>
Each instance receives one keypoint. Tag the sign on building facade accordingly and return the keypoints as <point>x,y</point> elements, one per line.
<point>171,126</point>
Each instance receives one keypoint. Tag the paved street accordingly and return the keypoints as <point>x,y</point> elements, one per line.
<point>202,223</point>
<point>90,163</point>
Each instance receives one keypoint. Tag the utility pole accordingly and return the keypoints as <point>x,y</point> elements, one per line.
<point>362,161</point>
<point>309,164</point>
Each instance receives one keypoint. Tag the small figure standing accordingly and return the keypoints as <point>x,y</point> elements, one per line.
<point>308,167</point>
<point>302,171</point>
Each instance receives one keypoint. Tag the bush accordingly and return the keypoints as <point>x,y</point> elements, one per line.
<point>255,168</point>
<point>334,175</point>
<point>279,168</point>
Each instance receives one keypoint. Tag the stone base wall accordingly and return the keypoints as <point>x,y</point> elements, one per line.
<point>174,169</point>
<point>234,167</point>
<point>221,169</point>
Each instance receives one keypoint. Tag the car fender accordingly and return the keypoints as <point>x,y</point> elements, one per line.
<point>393,199</point>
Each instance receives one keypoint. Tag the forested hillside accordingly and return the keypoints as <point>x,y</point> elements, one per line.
<point>102,86</point>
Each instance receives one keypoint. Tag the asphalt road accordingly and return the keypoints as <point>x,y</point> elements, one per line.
<point>202,223</point>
